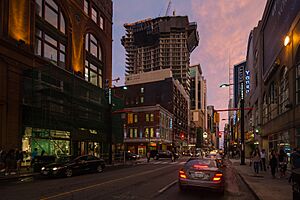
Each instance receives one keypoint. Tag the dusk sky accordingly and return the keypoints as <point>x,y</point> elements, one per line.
<point>223,26</point>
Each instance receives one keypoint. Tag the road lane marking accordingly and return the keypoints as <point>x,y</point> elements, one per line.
<point>100,184</point>
<point>167,186</point>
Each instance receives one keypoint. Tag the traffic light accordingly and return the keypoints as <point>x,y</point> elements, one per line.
<point>182,136</point>
<point>220,134</point>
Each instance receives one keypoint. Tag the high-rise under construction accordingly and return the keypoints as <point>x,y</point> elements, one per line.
<point>160,43</point>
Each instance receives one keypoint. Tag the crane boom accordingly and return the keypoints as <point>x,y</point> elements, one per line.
<point>168,8</point>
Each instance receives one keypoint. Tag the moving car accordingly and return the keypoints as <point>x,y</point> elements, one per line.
<point>67,166</point>
<point>128,156</point>
<point>201,173</point>
<point>163,154</point>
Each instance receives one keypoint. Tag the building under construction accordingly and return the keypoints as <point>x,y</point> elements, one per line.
<point>160,43</point>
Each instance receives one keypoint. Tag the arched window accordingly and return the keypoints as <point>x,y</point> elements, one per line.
<point>93,64</point>
<point>50,32</point>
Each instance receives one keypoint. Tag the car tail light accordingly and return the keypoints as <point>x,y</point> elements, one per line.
<point>217,177</point>
<point>182,174</point>
<point>200,166</point>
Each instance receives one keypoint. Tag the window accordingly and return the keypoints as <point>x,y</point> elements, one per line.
<point>152,117</point>
<point>93,64</point>
<point>142,99</point>
<point>283,91</point>
<point>86,7</point>
<point>146,132</point>
<point>135,132</point>
<point>101,23</point>
<point>95,15</point>
<point>131,133</point>
<point>147,117</point>
<point>135,118</point>
<point>50,39</point>
<point>298,84</point>
<point>152,132</point>
<point>130,118</point>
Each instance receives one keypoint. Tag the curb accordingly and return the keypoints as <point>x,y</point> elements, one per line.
<point>250,188</point>
<point>11,178</point>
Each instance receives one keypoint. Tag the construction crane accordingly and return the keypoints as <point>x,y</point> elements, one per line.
<point>168,8</point>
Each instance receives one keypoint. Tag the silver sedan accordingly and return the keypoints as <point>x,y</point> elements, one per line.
<point>201,173</point>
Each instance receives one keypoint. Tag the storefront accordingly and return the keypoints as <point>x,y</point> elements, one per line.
<point>280,140</point>
<point>52,142</point>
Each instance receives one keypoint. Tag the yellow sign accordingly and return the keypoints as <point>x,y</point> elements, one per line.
<point>217,117</point>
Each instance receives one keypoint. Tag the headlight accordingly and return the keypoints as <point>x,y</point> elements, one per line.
<point>56,168</point>
<point>43,168</point>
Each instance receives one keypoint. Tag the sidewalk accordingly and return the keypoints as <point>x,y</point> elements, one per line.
<point>263,185</point>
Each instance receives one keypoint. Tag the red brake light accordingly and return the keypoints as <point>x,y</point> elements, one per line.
<point>200,166</point>
<point>219,175</point>
<point>182,174</point>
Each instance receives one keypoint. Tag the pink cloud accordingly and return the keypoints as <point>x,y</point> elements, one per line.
<point>224,28</point>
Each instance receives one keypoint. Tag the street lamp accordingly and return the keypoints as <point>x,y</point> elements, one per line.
<point>242,107</point>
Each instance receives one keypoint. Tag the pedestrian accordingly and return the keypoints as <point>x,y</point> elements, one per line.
<point>19,158</point>
<point>256,160</point>
<point>148,156</point>
<point>2,160</point>
<point>263,160</point>
<point>43,152</point>
<point>9,162</point>
<point>273,163</point>
<point>33,155</point>
<point>251,158</point>
<point>282,159</point>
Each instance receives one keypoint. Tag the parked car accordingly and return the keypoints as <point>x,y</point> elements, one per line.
<point>201,173</point>
<point>296,183</point>
<point>67,166</point>
<point>40,161</point>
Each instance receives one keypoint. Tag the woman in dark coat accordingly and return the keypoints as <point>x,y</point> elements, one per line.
<point>273,162</point>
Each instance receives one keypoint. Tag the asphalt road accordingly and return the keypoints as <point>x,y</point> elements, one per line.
<point>154,180</point>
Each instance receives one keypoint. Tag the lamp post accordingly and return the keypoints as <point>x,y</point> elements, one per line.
<point>242,122</point>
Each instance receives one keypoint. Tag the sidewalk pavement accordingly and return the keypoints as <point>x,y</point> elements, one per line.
<point>26,172</point>
<point>263,185</point>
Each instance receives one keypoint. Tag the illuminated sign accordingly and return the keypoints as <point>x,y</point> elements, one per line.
<point>247,81</point>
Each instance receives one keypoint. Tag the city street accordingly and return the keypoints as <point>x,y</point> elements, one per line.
<point>154,180</point>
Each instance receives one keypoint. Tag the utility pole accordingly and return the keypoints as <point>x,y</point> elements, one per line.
<point>109,129</point>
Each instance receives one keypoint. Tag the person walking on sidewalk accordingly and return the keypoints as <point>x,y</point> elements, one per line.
<point>282,158</point>
<point>273,163</point>
<point>19,158</point>
<point>263,160</point>
<point>256,160</point>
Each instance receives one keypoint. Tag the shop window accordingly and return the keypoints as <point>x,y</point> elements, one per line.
<point>50,38</point>
<point>298,84</point>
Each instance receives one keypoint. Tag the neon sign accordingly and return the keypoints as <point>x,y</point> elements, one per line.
<point>247,81</point>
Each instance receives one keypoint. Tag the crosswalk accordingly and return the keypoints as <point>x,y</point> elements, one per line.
<point>158,162</point>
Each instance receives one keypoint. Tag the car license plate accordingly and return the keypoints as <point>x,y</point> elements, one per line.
<point>201,175</point>
<point>45,172</point>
